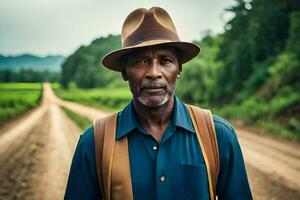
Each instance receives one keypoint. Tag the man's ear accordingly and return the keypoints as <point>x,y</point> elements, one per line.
<point>179,61</point>
<point>124,75</point>
<point>180,67</point>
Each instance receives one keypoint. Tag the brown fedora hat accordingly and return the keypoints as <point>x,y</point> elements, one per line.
<point>146,28</point>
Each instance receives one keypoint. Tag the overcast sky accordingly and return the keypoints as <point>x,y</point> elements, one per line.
<point>44,27</point>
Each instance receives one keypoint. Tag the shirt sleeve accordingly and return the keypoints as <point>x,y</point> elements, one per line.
<point>82,181</point>
<point>232,182</point>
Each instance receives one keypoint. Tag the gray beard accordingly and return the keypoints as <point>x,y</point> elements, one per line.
<point>158,102</point>
<point>150,103</point>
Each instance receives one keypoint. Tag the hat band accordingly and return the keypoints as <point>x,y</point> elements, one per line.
<point>150,34</point>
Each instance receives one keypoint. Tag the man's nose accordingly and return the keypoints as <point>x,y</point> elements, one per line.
<point>154,70</point>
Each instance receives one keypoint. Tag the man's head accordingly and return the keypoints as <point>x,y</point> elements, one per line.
<point>144,28</point>
<point>152,53</point>
<point>152,74</point>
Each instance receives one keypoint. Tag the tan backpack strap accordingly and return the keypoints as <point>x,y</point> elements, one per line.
<point>204,126</point>
<point>108,146</point>
<point>112,160</point>
<point>121,178</point>
<point>99,139</point>
<point>104,148</point>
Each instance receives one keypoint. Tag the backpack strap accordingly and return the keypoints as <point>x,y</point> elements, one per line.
<point>99,139</point>
<point>114,180</point>
<point>112,159</point>
<point>204,126</point>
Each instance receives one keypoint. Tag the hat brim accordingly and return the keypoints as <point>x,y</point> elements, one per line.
<point>187,50</point>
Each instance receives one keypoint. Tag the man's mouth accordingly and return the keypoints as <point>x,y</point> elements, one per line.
<point>153,89</point>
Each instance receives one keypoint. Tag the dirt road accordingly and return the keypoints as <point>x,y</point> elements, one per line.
<point>36,152</point>
<point>273,166</point>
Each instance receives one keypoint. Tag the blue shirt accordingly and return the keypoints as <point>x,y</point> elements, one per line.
<point>171,169</point>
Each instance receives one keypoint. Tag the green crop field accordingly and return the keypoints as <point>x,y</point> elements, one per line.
<point>111,99</point>
<point>17,98</point>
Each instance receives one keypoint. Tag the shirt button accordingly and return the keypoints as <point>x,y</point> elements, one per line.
<point>154,148</point>
<point>162,178</point>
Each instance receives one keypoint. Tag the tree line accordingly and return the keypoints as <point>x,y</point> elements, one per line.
<point>29,76</point>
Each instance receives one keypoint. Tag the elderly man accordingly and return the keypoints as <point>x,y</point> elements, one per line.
<point>156,147</point>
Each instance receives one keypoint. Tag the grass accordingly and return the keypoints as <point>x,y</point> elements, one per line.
<point>20,86</point>
<point>17,98</point>
<point>110,99</point>
<point>81,121</point>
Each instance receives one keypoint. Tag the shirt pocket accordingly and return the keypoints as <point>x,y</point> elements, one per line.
<point>194,182</point>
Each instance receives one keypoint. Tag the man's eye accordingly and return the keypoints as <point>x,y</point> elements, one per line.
<point>141,61</point>
<point>166,60</point>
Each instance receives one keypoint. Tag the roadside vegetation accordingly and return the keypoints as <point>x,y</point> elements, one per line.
<point>17,98</point>
<point>110,99</point>
<point>81,121</point>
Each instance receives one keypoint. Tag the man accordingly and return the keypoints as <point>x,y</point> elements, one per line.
<point>166,161</point>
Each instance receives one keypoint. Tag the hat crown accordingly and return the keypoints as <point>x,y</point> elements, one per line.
<point>144,28</point>
<point>143,25</point>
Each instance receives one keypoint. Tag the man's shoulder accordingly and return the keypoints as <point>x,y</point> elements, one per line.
<point>220,122</point>
<point>87,137</point>
<point>224,131</point>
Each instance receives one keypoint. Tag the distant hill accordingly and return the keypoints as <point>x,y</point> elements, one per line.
<point>36,63</point>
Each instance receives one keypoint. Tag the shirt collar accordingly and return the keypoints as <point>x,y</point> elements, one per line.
<point>181,116</point>
<point>127,119</point>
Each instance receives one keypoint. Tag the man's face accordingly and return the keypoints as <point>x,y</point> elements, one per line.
<point>152,75</point>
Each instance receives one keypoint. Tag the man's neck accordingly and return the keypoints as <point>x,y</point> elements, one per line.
<point>155,119</point>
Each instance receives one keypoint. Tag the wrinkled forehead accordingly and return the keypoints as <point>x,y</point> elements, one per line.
<point>153,52</point>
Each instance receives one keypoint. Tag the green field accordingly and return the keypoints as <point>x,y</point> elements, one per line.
<point>17,98</point>
<point>111,99</point>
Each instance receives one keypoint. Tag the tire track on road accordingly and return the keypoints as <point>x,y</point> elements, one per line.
<point>19,160</point>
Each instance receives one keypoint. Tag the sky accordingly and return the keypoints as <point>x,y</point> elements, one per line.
<point>59,27</point>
